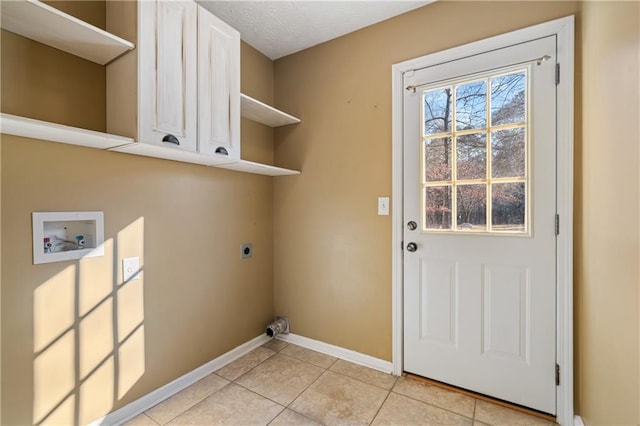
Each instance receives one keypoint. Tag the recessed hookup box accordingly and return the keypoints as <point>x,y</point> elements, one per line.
<point>59,236</point>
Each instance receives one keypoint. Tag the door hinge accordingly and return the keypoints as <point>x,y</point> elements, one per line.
<point>557,74</point>
<point>401,245</point>
<point>557,224</point>
<point>557,375</point>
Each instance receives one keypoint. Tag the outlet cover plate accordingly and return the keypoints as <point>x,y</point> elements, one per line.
<point>246,250</point>
<point>130,269</point>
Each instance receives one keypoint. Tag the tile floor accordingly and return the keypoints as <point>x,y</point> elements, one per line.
<point>285,384</point>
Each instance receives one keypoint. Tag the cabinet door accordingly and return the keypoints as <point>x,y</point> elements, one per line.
<point>218,86</point>
<point>167,73</point>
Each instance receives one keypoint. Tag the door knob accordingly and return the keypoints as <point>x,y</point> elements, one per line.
<point>412,225</point>
<point>412,247</point>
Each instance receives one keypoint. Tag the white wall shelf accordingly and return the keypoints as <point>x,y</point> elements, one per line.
<point>40,22</point>
<point>174,154</point>
<point>258,111</point>
<point>43,130</point>
<point>36,129</point>
<point>45,24</point>
<point>258,168</point>
<point>218,161</point>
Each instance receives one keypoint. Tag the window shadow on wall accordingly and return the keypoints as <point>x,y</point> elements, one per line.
<point>88,346</point>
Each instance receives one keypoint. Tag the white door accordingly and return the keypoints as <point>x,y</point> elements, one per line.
<point>480,186</point>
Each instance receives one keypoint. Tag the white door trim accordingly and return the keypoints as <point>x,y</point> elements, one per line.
<point>563,28</point>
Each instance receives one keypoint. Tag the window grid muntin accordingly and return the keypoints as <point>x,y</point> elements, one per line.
<point>453,134</point>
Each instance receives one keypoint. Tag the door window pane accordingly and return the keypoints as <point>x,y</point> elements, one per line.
<point>471,106</point>
<point>472,207</point>
<point>438,207</point>
<point>475,172</point>
<point>437,111</point>
<point>508,153</point>
<point>509,206</point>
<point>508,99</point>
<point>471,154</point>
<point>437,159</point>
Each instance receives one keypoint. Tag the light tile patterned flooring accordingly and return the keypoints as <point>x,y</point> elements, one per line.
<point>284,384</point>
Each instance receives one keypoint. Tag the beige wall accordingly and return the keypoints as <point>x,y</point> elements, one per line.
<point>0,276</point>
<point>47,84</point>
<point>257,139</point>
<point>76,343</point>
<point>607,215</point>
<point>332,253</point>
<point>72,93</point>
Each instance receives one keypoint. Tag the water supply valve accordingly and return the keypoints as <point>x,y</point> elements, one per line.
<point>47,245</point>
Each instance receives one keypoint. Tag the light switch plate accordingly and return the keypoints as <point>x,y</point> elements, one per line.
<point>383,206</point>
<point>130,269</point>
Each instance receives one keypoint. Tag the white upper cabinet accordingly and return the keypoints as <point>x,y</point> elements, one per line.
<point>174,95</point>
<point>184,78</point>
<point>218,86</point>
<point>167,44</point>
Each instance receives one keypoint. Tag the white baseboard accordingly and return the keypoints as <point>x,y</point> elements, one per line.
<point>577,421</point>
<point>151,399</point>
<point>339,352</point>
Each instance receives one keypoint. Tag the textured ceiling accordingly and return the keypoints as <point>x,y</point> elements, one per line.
<point>280,28</point>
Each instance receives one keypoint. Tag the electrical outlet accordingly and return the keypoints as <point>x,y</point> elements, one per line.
<point>130,269</point>
<point>246,250</point>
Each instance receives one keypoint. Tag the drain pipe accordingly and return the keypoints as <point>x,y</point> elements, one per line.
<point>279,326</point>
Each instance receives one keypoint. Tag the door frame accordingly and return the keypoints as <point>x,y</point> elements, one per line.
<point>563,29</point>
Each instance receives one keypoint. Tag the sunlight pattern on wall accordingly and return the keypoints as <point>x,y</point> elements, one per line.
<point>88,343</point>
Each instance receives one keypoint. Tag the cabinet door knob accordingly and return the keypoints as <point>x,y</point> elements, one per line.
<point>222,150</point>
<point>171,139</point>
